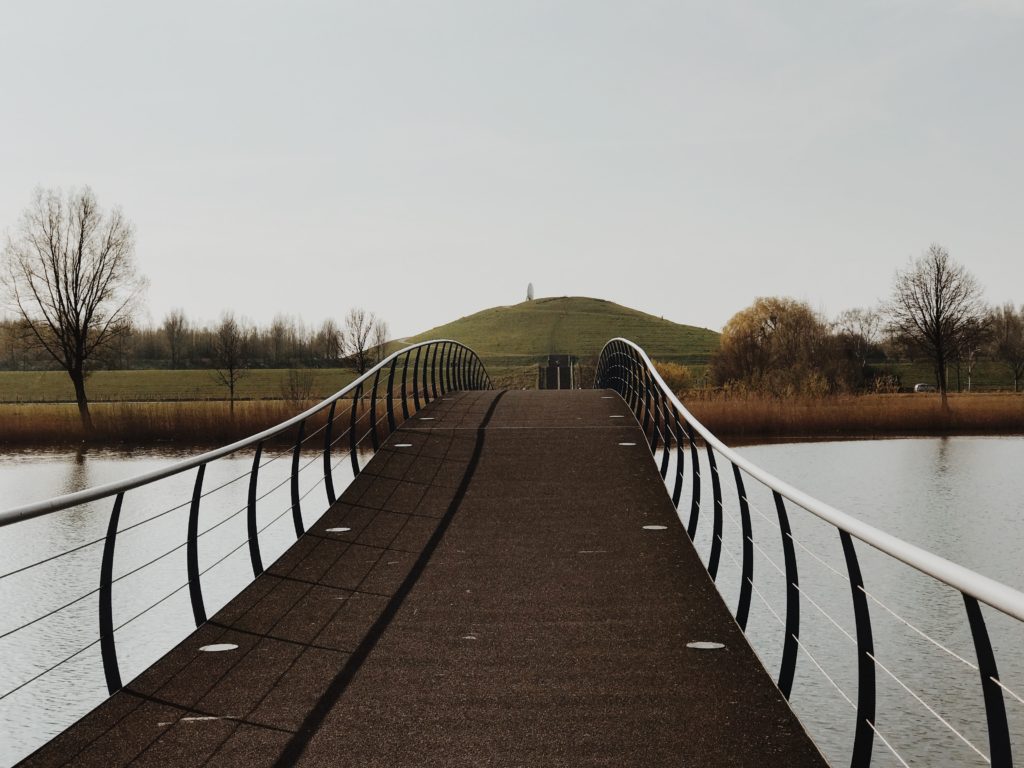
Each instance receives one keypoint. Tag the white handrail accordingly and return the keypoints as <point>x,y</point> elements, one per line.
<point>57,503</point>
<point>989,591</point>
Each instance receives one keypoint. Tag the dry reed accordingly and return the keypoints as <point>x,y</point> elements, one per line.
<point>195,423</point>
<point>858,416</point>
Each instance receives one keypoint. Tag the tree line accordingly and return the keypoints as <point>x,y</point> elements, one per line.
<point>935,313</point>
<point>69,277</point>
<point>180,342</point>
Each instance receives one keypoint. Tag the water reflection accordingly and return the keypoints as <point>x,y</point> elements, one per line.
<point>958,497</point>
<point>151,608</point>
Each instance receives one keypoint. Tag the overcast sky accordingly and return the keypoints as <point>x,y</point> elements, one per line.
<point>428,159</point>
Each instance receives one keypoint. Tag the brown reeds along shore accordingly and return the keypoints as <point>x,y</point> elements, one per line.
<point>732,417</point>
<point>760,418</point>
<point>201,423</point>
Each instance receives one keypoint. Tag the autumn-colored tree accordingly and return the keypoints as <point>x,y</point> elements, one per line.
<point>777,346</point>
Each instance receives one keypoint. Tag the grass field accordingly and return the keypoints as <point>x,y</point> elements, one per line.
<point>147,385</point>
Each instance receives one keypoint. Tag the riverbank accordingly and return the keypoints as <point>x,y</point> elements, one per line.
<point>732,418</point>
<point>764,419</point>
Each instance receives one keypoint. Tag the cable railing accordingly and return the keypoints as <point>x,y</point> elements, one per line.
<point>377,402</point>
<point>673,433</point>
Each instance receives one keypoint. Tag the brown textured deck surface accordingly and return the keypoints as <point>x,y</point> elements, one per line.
<point>496,603</point>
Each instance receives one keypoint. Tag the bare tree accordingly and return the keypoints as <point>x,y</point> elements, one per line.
<point>363,337</point>
<point>379,340</point>
<point>1007,339</point>
<point>861,330</point>
<point>328,342</point>
<point>69,273</point>
<point>935,302</point>
<point>175,329</point>
<point>230,355</point>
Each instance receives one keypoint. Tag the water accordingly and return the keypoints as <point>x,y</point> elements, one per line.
<point>45,706</point>
<point>958,497</point>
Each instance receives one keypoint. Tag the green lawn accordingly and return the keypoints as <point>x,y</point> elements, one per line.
<point>515,335</point>
<point>55,386</point>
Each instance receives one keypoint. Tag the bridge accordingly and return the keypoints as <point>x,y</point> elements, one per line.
<point>507,578</point>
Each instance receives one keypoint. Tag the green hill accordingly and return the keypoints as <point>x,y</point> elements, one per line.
<point>521,334</point>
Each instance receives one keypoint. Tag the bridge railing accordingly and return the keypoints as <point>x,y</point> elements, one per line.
<point>336,431</point>
<point>672,429</point>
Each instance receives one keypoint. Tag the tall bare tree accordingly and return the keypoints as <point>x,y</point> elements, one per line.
<point>934,303</point>
<point>175,329</point>
<point>363,336</point>
<point>328,342</point>
<point>1007,339</point>
<point>69,273</point>
<point>230,355</point>
<point>860,330</point>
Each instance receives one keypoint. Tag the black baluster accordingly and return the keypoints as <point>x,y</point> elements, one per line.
<point>353,440</point>
<point>789,645</point>
<point>747,584</point>
<point>195,587</point>
<point>254,532</point>
<point>328,472</point>
<point>995,708</point>
<point>391,395</point>
<point>864,734</point>
<point>416,381</point>
<point>405,395</point>
<point>300,528</point>
<point>716,491</point>
<point>108,648</point>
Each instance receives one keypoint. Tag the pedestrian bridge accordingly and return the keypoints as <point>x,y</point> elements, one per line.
<point>508,579</point>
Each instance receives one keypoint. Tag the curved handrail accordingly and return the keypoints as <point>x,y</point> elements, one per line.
<point>989,591</point>
<point>626,368</point>
<point>58,503</point>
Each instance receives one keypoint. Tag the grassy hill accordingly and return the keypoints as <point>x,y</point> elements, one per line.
<point>522,333</point>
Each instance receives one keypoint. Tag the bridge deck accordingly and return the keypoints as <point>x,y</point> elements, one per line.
<point>497,601</point>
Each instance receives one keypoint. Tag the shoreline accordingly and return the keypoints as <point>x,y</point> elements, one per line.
<point>736,420</point>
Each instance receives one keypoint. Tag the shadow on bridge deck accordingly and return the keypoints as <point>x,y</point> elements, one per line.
<point>484,593</point>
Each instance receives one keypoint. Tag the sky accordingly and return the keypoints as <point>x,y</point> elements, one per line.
<point>428,159</point>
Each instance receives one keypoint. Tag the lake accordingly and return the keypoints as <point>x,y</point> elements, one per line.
<point>958,497</point>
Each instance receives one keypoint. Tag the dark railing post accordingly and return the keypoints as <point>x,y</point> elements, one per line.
<point>457,368</point>
<point>433,374</point>
<point>405,394</point>
<point>441,369</point>
<point>995,709</point>
<point>353,438</point>
<point>655,393</point>
<point>666,435</point>
<point>254,532</point>
<point>391,396</point>
<point>716,491</point>
<point>415,380</point>
<point>296,503</point>
<point>108,648</point>
<point>747,584</point>
<point>373,412</point>
<point>447,368</point>
<point>864,734</point>
<point>691,526</point>
<point>677,489</point>
<point>195,587</point>
<point>789,646</point>
<point>328,472</point>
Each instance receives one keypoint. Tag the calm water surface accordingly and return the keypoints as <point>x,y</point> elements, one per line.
<point>958,497</point>
<point>43,707</point>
